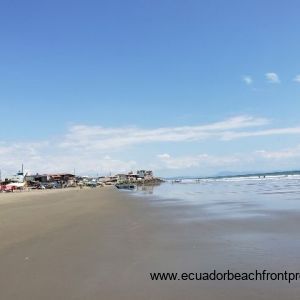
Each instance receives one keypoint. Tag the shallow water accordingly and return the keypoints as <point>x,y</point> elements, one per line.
<point>229,197</point>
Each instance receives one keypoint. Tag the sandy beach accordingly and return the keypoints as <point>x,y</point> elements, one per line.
<point>102,244</point>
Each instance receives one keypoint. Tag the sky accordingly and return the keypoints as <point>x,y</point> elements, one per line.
<point>180,87</point>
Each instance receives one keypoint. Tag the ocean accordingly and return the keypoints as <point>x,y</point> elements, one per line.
<point>243,223</point>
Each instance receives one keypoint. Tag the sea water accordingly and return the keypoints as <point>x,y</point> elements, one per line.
<point>229,197</point>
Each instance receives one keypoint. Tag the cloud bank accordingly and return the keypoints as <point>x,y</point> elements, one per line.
<point>97,149</point>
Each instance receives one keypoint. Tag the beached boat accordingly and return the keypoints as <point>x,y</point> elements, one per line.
<point>125,186</point>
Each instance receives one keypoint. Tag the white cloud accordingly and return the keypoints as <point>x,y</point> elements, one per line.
<point>272,77</point>
<point>260,160</point>
<point>46,157</point>
<point>200,160</point>
<point>101,138</point>
<point>281,154</point>
<point>297,78</point>
<point>230,135</point>
<point>248,79</point>
<point>164,156</point>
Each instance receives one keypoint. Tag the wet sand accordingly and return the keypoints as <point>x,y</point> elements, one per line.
<point>102,243</point>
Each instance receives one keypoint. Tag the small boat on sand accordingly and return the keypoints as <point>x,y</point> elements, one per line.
<point>125,186</point>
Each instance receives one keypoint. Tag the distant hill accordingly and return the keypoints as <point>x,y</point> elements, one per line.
<point>232,173</point>
<point>229,174</point>
<point>277,173</point>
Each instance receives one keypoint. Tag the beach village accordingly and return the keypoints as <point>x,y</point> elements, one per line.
<point>22,181</point>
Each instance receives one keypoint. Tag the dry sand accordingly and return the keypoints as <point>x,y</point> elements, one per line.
<point>102,244</point>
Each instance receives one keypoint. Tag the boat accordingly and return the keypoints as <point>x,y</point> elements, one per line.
<point>17,178</point>
<point>177,181</point>
<point>125,186</point>
<point>91,183</point>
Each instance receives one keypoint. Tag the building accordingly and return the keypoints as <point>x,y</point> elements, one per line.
<point>144,174</point>
<point>37,178</point>
<point>122,177</point>
<point>65,178</point>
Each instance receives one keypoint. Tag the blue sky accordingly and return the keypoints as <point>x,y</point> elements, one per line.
<point>183,87</point>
